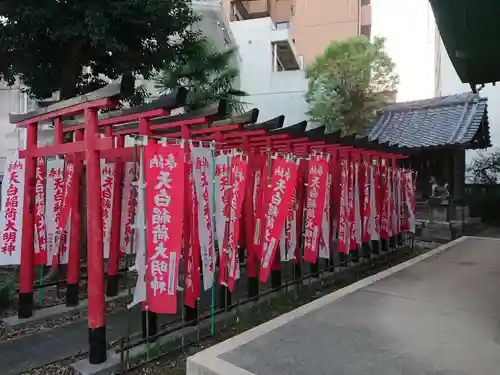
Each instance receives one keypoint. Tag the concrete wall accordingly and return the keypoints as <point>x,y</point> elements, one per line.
<point>273,92</point>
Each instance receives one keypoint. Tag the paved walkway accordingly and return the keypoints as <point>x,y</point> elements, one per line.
<point>438,314</point>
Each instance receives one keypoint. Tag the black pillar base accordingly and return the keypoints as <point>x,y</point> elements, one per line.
<point>354,255</point>
<point>366,250</point>
<point>314,269</point>
<point>25,307</point>
<point>72,295</point>
<point>275,279</point>
<point>112,286</point>
<point>376,246</point>
<point>97,345</point>
<point>241,255</point>
<point>253,286</point>
<point>151,328</point>
<point>342,259</point>
<point>392,242</point>
<point>224,297</point>
<point>331,263</point>
<point>400,239</point>
<point>297,271</point>
<point>191,315</point>
<point>384,243</point>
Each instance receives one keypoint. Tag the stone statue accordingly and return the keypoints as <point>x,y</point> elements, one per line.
<point>438,191</point>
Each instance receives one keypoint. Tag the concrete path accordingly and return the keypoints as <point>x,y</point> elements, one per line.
<point>437,314</point>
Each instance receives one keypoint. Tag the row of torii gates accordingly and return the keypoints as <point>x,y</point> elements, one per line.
<point>153,119</point>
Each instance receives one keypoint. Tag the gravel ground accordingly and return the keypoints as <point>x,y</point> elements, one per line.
<point>174,364</point>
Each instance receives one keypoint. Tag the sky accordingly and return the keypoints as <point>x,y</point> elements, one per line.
<point>408,26</point>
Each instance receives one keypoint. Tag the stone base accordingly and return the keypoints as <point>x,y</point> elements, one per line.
<point>443,231</point>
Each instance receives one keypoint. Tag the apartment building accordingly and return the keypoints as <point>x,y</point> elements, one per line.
<point>313,24</point>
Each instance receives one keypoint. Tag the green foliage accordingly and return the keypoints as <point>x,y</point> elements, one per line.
<point>8,287</point>
<point>208,75</point>
<point>485,169</point>
<point>348,82</point>
<point>47,43</point>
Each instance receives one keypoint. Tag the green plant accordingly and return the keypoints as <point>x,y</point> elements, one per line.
<point>207,74</point>
<point>348,83</point>
<point>74,46</point>
<point>8,288</point>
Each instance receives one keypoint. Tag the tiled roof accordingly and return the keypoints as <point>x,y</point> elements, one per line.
<point>440,121</point>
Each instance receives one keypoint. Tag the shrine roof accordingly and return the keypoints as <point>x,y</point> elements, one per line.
<point>449,121</point>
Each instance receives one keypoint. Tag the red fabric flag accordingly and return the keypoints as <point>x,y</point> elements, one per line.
<point>164,174</point>
<point>366,203</point>
<point>192,258</point>
<point>278,198</point>
<point>260,189</point>
<point>62,233</point>
<point>315,206</point>
<point>351,209</point>
<point>385,203</point>
<point>229,253</point>
<point>344,235</point>
<point>41,229</point>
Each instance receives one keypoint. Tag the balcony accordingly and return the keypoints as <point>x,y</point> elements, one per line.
<point>285,53</point>
<point>250,9</point>
<point>366,15</point>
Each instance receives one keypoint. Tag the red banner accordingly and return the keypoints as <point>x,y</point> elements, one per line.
<point>351,210</point>
<point>41,229</point>
<point>283,181</point>
<point>259,194</point>
<point>366,203</point>
<point>385,203</point>
<point>192,258</point>
<point>61,254</point>
<point>315,206</point>
<point>164,174</point>
<point>344,236</point>
<point>229,254</point>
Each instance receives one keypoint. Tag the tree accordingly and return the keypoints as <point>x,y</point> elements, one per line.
<point>485,169</point>
<point>347,84</point>
<point>46,44</point>
<point>208,75</point>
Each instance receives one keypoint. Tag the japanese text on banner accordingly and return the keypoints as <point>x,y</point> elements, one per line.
<point>12,210</point>
<point>41,229</point>
<point>164,214</point>
<point>128,207</point>
<point>229,253</point>
<point>202,173</point>
<point>283,181</point>
<point>108,177</point>
<point>315,206</point>
<point>192,258</point>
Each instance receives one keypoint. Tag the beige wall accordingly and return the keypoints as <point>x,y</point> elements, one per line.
<point>315,23</point>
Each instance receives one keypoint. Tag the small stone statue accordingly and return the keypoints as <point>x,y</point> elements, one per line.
<point>438,191</point>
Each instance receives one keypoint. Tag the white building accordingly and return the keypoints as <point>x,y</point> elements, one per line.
<point>270,71</point>
<point>214,24</point>
<point>448,83</point>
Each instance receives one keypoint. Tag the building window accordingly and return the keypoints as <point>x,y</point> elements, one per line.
<point>282,25</point>
<point>365,2</point>
<point>366,30</point>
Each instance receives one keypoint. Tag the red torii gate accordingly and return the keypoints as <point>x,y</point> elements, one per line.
<point>88,145</point>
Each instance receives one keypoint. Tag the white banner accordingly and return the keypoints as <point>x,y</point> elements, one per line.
<point>202,173</point>
<point>139,241</point>
<point>108,178</point>
<point>127,208</point>
<point>410,193</point>
<point>324,243</point>
<point>54,194</point>
<point>11,222</point>
<point>222,163</point>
